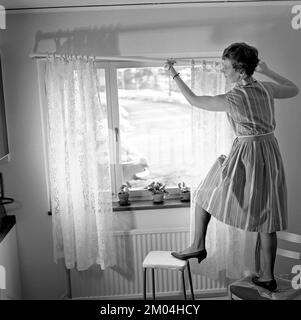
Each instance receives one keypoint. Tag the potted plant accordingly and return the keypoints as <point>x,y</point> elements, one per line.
<point>158,190</point>
<point>124,194</point>
<point>184,192</point>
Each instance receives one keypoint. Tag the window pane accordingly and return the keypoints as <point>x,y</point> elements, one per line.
<point>155,127</point>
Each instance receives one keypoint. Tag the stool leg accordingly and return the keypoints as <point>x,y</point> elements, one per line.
<point>190,280</point>
<point>153,280</point>
<point>183,281</point>
<point>144,283</point>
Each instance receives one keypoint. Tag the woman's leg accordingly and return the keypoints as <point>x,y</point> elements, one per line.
<point>202,219</point>
<point>269,248</point>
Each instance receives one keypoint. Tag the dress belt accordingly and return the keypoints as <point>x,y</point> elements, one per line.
<point>256,137</point>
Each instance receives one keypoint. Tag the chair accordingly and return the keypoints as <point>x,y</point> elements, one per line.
<point>164,260</point>
<point>245,289</point>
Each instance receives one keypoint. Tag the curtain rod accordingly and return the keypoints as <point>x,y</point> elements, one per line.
<point>210,55</point>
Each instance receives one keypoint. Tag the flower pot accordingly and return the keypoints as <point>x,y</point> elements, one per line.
<point>185,196</point>
<point>158,197</point>
<point>123,199</point>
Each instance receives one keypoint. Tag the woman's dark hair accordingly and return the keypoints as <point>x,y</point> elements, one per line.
<point>242,56</point>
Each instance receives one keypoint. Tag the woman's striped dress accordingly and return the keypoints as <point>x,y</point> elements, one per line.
<point>247,189</point>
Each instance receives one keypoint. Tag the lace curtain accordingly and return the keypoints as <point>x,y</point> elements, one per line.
<point>78,160</point>
<point>230,250</point>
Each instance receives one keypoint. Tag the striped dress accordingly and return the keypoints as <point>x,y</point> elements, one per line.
<point>247,189</point>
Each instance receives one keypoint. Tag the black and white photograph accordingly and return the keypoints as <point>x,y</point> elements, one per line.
<point>150,153</point>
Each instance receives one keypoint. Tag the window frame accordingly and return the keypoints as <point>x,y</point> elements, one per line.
<point>113,123</point>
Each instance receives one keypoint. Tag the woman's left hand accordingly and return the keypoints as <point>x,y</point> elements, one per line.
<point>262,67</point>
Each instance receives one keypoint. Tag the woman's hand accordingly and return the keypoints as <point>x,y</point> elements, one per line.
<point>169,64</point>
<point>262,67</point>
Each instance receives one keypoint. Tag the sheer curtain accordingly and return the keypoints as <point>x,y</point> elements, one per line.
<point>78,160</point>
<point>230,250</point>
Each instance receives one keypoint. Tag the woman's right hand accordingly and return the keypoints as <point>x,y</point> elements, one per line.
<point>262,67</point>
<point>169,64</point>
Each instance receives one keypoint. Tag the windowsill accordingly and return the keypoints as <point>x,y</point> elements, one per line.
<point>149,205</point>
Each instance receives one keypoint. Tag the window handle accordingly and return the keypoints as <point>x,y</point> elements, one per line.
<point>116,134</point>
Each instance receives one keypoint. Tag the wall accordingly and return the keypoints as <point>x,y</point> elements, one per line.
<point>125,32</point>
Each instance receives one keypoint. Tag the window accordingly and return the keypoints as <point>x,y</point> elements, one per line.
<point>150,127</point>
<point>155,131</point>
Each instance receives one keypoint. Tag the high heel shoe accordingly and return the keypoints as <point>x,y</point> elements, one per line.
<point>270,285</point>
<point>200,255</point>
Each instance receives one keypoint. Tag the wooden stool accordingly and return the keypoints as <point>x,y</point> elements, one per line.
<point>164,260</point>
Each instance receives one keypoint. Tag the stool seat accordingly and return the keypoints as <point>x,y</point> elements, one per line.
<point>163,260</point>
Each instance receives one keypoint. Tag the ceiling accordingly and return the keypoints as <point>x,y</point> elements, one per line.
<point>30,4</point>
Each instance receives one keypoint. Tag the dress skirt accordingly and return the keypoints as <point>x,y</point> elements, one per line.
<point>247,189</point>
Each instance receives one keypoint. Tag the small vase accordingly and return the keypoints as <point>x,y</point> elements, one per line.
<point>185,196</point>
<point>158,197</point>
<point>123,199</point>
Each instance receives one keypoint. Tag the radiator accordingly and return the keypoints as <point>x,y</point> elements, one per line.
<point>125,279</point>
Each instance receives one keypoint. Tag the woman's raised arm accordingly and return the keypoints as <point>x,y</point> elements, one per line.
<point>211,103</point>
<point>283,88</point>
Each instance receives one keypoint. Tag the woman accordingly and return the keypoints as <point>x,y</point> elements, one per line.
<point>247,189</point>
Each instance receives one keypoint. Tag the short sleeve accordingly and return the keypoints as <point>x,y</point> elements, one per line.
<point>234,99</point>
